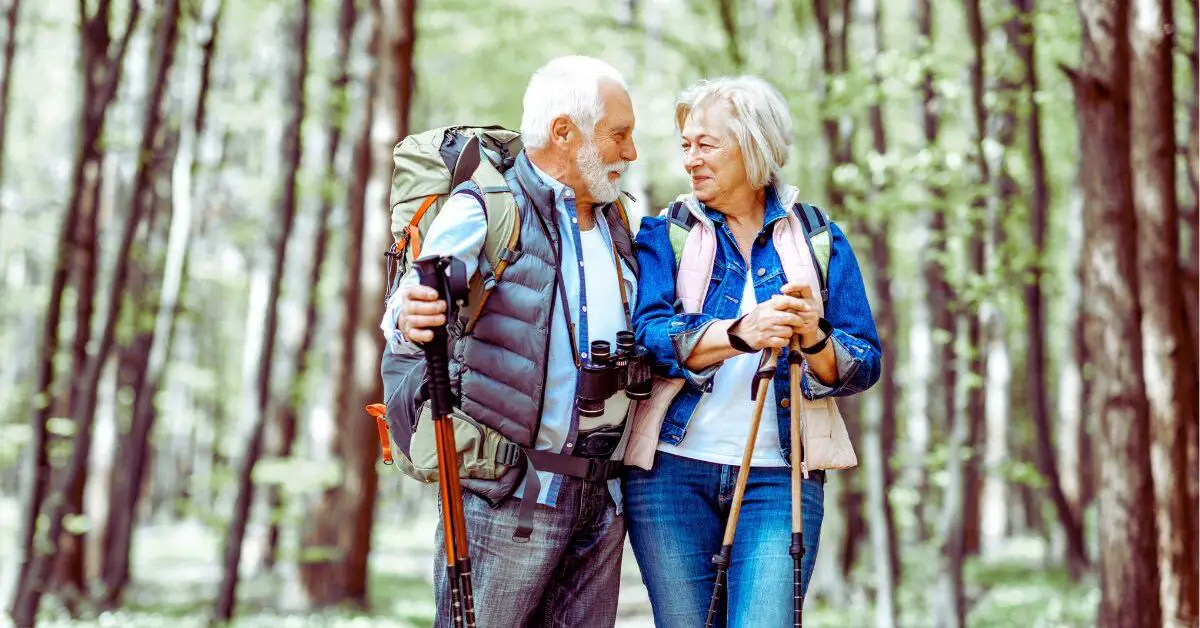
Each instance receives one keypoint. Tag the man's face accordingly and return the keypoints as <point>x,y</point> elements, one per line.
<point>711,155</point>
<point>603,159</point>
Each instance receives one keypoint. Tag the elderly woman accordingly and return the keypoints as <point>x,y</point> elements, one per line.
<point>736,133</point>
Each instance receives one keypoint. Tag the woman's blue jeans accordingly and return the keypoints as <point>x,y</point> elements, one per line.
<point>676,517</point>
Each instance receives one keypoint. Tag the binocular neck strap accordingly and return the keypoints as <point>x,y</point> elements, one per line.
<point>562,290</point>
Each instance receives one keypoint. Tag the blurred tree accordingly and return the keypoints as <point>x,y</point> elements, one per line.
<point>1170,369</point>
<point>288,411</point>
<point>879,431</point>
<point>1023,41</point>
<point>101,70</point>
<point>977,226</point>
<point>127,480</point>
<point>85,389</point>
<point>291,150</point>
<point>340,532</point>
<point>11,13</point>
<point>1129,576</point>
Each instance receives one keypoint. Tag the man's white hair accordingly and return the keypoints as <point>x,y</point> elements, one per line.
<point>567,86</point>
<point>761,121</point>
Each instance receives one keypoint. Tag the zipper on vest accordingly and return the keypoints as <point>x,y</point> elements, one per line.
<point>549,330</point>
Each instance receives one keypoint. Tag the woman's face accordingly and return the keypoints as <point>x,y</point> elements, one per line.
<point>711,155</point>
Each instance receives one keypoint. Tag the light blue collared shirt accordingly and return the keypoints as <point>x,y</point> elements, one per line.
<point>460,230</point>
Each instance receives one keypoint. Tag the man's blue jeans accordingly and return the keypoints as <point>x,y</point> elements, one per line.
<point>676,516</point>
<point>567,575</point>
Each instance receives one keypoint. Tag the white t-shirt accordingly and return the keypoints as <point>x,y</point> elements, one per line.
<point>721,423</point>
<point>605,315</point>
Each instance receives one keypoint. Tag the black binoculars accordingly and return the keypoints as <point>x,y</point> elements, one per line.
<point>606,373</point>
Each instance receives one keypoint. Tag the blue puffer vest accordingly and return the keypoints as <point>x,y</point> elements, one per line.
<point>498,372</point>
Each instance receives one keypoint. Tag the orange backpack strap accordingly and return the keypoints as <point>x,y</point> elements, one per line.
<point>412,232</point>
<point>379,411</point>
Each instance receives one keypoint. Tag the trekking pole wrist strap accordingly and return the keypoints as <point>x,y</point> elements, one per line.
<point>736,341</point>
<point>827,329</point>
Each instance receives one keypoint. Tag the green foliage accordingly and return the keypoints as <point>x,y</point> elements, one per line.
<point>298,475</point>
<point>77,524</point>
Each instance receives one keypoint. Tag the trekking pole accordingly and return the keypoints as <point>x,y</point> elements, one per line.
<point>795,361</point>
<point>762,379</point>
<point>431,271</point>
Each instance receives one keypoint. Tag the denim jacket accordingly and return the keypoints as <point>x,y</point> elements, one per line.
<point>671,335</point>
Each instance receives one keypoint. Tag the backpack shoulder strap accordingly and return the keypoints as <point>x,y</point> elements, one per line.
<point>501,247</point>
<point>503,219</point>
<point>679,223</point>
<point>819,239</point>
<point>621,232</point>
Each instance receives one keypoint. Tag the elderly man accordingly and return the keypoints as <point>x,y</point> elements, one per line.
<point>546,540</point>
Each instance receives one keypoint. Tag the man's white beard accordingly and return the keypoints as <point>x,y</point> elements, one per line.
<point>595,174</point>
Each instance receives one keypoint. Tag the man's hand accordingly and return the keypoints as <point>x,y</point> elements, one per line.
<point>806,312</point>
<point>422,311</point>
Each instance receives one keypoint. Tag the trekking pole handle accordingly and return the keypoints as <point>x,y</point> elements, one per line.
<point>438,273</point>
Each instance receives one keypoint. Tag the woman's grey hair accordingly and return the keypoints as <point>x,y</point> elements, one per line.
<point>567,86</point>
<point>761,121</point>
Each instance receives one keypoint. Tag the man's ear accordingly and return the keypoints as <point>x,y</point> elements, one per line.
<point>560,130</point>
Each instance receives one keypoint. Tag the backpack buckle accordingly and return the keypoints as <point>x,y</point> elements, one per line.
<point>509,256</point>
<point>508,454</point>
<point>600,470</point>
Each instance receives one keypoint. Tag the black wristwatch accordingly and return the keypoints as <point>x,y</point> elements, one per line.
<point>736,341</point>
<point>825,327</point>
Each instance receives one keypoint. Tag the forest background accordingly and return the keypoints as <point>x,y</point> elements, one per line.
<point>193,214</point>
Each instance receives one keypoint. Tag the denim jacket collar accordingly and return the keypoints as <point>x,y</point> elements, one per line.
<point>780,196</point>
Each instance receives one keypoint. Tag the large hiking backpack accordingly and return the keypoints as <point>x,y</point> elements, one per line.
<point>429,167</point>
<point>432,165</point>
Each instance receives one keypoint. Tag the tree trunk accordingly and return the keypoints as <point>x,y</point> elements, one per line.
<point>1035,372</point>
<point>949,608</point>
<point>976,346</point>
<point>728,11</point>
<point>1192,258</point>
<point>10,52</point>
<point>882,437</point>
<point>403,46</point>
<point>286,418</point>
<point>292,150</point>
<point>126,484</point>
<point>69,570</point>
<point>1170,372</point>
<point>995,510</point>
<point>941,388</point>
<point>101,74</point>
<point>1129,591</point>
<point>940,385</point>
<point>85,389</point>
<point>343,518</point>
<point>879,410</point>
<point>833,23</point>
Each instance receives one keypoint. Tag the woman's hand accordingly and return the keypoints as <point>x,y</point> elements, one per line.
<point>773,322</point>
<point>806,311</point>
